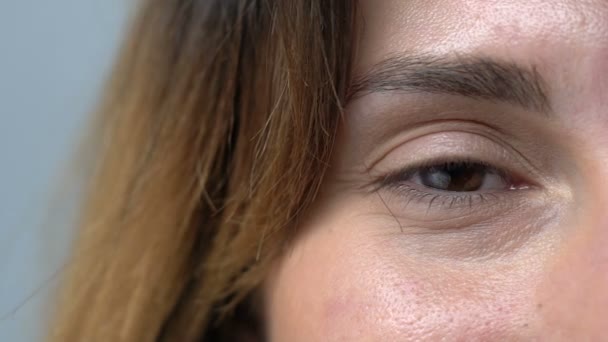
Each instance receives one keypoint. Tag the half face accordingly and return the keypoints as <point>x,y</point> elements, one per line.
<point>468,195</point>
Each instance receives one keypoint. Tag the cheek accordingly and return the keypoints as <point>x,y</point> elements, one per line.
<point>338,284</point>
<point>413,305</point>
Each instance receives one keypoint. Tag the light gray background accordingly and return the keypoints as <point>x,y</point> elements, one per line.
<point>54,56</point>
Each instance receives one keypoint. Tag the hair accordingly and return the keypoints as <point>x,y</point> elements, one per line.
<point>211,141</point>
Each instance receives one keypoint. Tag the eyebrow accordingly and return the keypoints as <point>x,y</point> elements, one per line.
<point>479,78</point>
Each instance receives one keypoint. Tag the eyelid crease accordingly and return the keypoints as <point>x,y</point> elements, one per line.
<point>530,171</point>
<point>487,129</point>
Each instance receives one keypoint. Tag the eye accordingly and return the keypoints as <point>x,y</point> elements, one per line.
<point>460,177</point>
<point>451,184</point>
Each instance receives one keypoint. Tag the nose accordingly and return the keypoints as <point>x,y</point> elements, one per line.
<point>573,298</point>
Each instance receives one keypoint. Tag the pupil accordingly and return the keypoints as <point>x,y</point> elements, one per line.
<point>459,178</point>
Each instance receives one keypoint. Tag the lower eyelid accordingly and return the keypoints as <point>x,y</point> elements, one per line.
<point>442,199</point>
<point>433,212</point>
<point>408,194</point>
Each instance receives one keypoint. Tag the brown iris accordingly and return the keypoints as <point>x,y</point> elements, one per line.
<point>460,177</point>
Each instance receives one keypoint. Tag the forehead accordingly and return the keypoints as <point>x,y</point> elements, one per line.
<point>565,40</point>
<point>529,28</point>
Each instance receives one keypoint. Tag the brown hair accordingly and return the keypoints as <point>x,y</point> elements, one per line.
<point>214,136</point>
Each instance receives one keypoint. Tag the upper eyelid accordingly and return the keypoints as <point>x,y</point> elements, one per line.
<point>504,158</point>
<point>446,125</point>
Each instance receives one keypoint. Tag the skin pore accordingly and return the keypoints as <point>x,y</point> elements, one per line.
<point>461,213</point>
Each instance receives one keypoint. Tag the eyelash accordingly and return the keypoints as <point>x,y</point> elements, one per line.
<point>400,183</point>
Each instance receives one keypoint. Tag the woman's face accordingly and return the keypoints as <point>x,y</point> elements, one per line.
<point>468,195</point>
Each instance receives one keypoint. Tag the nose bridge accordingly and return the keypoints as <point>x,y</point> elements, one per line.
<point>585,245</point>
<point>573,299</point>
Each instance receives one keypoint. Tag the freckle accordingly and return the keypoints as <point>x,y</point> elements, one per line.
<point>526,325</point>
<point>539,306</point>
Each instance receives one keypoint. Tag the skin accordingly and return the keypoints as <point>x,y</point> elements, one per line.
<point>531,263</point>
